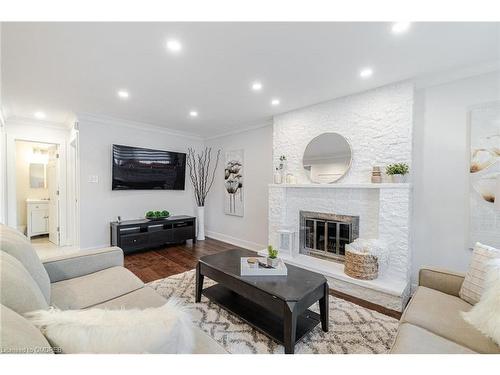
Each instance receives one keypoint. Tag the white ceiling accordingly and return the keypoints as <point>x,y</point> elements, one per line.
<point>68,68</point>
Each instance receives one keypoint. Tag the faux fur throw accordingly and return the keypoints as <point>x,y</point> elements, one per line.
<point>165,329</point>
<point>485,315</point>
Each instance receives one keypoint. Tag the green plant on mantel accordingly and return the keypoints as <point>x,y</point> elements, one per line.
<point>272,252</point>
<point>397,168</point>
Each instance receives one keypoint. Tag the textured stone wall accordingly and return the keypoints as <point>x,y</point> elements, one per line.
<point>394,228</point>
<point>377,124</point>
<point>383,213</point>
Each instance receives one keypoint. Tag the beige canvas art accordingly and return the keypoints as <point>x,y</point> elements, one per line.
<point>484,174</point>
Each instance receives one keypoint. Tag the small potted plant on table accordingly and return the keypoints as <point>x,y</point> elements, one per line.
<point>272,256</point>
<point>157,215</point>
<point>397,171</point>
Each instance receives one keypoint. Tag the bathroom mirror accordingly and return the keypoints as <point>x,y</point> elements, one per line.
<point>327,158</point>
<point>37,176</point>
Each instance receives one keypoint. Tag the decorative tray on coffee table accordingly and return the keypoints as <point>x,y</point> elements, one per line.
<point>259,270</point>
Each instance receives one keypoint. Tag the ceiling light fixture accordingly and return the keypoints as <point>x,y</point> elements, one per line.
<point>123,94</point>
<point>174,45</point>
<point>39,115</point>
<point>400,27</point>
<point>256,86</point>
<point>275,102</point>
<point>193,113</point>
<point>366,73</point>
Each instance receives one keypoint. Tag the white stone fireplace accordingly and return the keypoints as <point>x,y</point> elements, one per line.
<point>378,125</point>
<point>384,213</point>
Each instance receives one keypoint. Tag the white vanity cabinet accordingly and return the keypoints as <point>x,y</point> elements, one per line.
<point>37,217</point>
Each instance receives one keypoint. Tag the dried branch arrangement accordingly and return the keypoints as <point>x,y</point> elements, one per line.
<point>201,173</point>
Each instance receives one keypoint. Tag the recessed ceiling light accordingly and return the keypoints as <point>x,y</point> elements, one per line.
<point>39,115</point>
<point>174,45</point>
<point>400,27</point>
<point>256,86</point>
<point>366,73</point>
<point>275,102</point>
<point>193,113</point>
<point>123,94</point>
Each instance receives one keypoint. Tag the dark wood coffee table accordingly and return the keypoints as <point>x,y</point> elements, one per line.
<point>277,306</point>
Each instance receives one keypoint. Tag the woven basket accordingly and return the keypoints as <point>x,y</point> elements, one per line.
<point>361,266</point>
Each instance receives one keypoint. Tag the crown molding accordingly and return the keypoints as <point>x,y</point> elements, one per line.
<point>260,124</point>
<point>442,77</point>
<point>25,121</point>
<point>113,121</point>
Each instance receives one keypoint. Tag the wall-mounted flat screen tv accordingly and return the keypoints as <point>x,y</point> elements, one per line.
<point>137,168</point>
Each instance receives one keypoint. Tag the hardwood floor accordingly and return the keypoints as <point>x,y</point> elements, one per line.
<point>160,263</point>
<point>157,264</point>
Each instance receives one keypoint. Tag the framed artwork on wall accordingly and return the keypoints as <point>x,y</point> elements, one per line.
<point>484,174</point>
<point>234,202</point>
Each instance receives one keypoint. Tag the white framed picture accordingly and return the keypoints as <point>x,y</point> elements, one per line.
<point>484,172</point>
<point>234,202</point>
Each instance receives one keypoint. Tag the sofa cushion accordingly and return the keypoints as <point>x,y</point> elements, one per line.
<point>204,344</point>
<point>473,285</point>
<point>138,299</point>
<point>17,245</point>
<point>164,329</point>
<point>439,313</point>
<point>19,336</point>
<point>19,291</point>
<point>147,297</point>
<point>415,340</point>
<point>93,289</point>
<point>485,315</point>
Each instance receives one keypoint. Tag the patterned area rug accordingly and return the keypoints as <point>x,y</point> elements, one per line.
<point>353,329</point>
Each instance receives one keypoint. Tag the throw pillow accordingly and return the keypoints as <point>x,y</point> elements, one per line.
<point>472,287</point>
<point>485,315</point>
<point>165,329</point>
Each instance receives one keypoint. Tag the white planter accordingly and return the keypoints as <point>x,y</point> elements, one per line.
<point>273,262</point>
<point>201,224</point>
<point>398,178</point>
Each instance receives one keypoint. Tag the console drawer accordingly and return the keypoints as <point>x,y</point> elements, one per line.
<point>183,233</point>
<point>160,237</point>
<point>132,241</point>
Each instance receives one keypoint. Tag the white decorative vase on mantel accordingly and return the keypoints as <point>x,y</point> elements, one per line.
<point>398,178</point>
<point>201,223</point>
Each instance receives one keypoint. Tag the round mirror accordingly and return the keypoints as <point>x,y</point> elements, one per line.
<point>327,158</point>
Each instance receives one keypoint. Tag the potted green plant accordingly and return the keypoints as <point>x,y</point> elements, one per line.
<point>397,171</point>
<point>272,256</point>
<point>157,215</point>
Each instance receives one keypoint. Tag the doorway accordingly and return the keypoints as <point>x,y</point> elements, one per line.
<point>37,192</point>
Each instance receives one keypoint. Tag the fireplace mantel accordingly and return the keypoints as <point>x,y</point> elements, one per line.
<point>384,210</point>
<point>367,185</point>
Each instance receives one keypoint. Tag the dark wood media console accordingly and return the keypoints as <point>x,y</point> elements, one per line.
<point>135,235</point>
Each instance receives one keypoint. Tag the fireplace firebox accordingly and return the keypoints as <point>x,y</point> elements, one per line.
<point>325,235</point>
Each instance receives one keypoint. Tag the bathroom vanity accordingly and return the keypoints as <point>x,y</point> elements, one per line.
<point>37,217</point>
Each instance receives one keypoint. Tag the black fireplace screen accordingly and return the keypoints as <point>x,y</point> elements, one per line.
<point>327,234</point>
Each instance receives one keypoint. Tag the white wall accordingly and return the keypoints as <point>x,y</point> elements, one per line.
<point>98,203</point>
<point>251,230</point>
<point>440,163</point>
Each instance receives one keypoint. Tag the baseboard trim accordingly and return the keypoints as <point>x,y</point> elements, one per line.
<point>235,241</point>
<point>367,304</point>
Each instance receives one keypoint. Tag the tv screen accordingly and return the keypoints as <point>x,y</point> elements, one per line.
<point>144,169</point>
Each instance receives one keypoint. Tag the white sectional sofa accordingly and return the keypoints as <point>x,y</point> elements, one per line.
<point>78,281</point>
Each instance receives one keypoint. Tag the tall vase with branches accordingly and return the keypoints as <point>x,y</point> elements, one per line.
<point>202,167</point>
